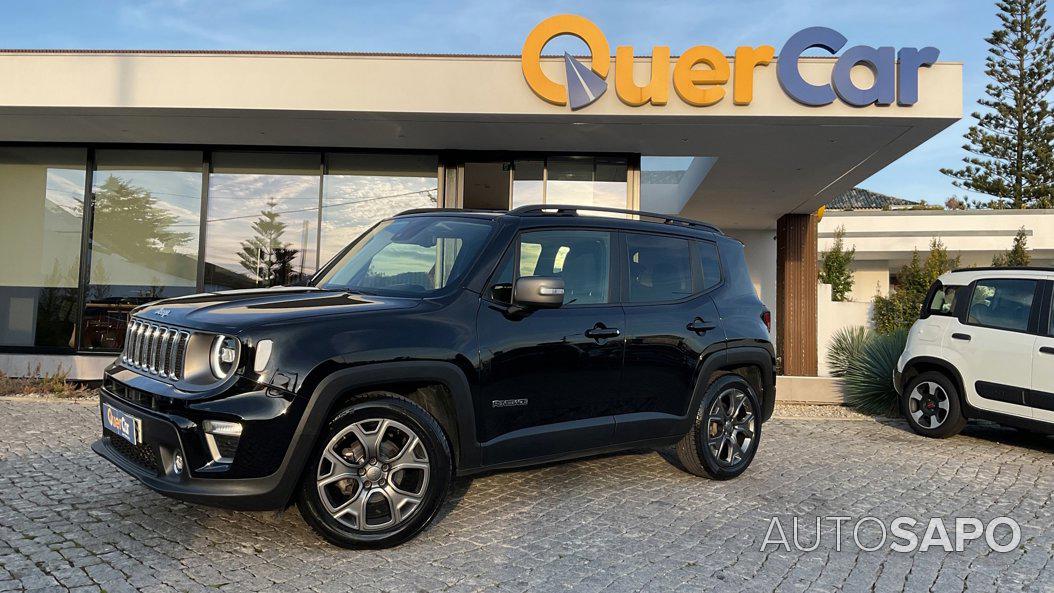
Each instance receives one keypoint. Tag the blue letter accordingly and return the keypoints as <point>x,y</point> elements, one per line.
<point>787,65</point>
<point>911,60</point>
<point>880,62</point>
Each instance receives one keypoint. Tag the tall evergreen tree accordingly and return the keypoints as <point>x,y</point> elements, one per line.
<point>1010,145</point>
<point>259,253</point>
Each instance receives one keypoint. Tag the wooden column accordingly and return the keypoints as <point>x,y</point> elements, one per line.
<point>796,270</point>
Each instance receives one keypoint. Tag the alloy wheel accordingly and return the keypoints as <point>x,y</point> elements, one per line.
<point>928,405</point>
<point>730,427</point>
<point>373,474</point>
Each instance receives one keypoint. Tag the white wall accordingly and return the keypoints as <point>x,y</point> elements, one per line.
<point>832,316</point>
<point>870,277</point>
<point>976,235</point>
<point>759,246</point>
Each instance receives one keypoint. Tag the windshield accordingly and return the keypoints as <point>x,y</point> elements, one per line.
<point>412,256</point>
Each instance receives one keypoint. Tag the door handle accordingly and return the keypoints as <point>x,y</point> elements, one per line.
<point>1047,350</point>
<point>599,332</point>
<point>699,326</point>
<point>958,336</point>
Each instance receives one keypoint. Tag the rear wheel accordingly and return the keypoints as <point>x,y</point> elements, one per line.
<point>726,432</point>
<point>379,475</point>
<point>930,404</point>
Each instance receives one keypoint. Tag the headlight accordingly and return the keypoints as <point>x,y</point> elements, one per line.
<point>224,356</point>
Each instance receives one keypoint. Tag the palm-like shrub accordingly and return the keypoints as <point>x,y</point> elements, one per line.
<point>868,383</point>
<point>847,344</point>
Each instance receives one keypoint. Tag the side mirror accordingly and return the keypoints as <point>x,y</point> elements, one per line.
<point>538,292</point>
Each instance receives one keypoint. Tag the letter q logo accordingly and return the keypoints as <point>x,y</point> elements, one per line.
<point>584,85</point>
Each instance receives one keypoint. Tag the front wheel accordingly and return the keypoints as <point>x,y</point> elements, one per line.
<point>726,431</point>
<point>379,474</point>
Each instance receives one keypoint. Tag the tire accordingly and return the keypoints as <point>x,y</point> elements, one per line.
<point>720,445</point>
<point>353,503</point>
<point>931,405</point>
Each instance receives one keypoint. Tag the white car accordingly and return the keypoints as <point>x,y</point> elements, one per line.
<point>983,347</point>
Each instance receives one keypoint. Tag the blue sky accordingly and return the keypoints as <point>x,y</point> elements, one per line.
<point>957,27</point>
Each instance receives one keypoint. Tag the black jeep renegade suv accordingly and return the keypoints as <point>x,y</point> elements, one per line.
<point>440,344</point>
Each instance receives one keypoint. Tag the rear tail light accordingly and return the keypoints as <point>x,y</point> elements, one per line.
<point>766,318</point>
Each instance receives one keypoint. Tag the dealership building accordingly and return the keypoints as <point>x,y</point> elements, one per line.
<point>127,176</point>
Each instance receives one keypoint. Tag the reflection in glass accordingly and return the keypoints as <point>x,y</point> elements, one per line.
<point>262,219</point>
<point>667,183</point>
<point>527,183</point>
<point>42,193</point>
<point>415,256</point>
<point>587,181</point>
<point>362,189</point>
<point>144,242</point>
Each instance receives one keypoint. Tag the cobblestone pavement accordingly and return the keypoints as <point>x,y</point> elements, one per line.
<point>69,520</point>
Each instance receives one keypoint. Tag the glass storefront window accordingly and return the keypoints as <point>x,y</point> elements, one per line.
<point>144,241</point>
<point>361,189</point>
<point>262,224</point>
<point>667,183</point>
<point>587,181</point>
<point>527,182</point>
<point>42,191</point>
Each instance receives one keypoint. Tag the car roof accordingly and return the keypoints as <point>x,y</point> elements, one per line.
<point>968,275</point>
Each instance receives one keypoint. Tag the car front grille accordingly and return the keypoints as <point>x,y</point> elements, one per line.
<point>144,455</point>
<point>156,349</point>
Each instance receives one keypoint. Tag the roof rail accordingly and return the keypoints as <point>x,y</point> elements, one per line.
<point>568,210</point>
<point>429,210</point>
<point>1005,269</point>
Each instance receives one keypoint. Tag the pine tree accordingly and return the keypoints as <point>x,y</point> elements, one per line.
<point>258,254</point>
<point>1010,146</point>
<point>146,227</point>
<point>1017,255</point>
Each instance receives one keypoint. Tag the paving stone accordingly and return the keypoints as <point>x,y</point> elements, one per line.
<point>630,522</point>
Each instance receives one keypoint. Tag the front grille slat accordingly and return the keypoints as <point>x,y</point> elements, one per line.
<point>156,349</point>
<point>162,353</point>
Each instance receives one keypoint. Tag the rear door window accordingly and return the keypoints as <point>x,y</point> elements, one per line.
<point>660,268</point>
<point>1002,303</point>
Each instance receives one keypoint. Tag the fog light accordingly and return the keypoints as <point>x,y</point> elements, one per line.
<point>222,439</point>
<point>177,463</point>
<point>227,429</point>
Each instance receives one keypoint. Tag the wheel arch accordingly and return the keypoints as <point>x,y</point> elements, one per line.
<point>922,364</point>
<point>441,388</point>
<point>756,364</point>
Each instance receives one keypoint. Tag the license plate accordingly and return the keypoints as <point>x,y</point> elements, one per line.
<point>128,426</point>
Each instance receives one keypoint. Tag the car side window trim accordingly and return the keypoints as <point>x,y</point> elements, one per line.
<point>1046,316</point>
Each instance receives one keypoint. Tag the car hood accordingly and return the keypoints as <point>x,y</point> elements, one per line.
<point>233,310</point>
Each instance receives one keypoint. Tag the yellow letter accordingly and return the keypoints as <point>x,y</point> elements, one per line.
<point>561,24</point>
<point>747,58</point>
<point>657,90</point>
<point>686,80</point>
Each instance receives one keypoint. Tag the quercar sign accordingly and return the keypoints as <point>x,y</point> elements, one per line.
<point>702,74</point>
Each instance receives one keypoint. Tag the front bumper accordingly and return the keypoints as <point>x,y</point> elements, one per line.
<point>257,479</point>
